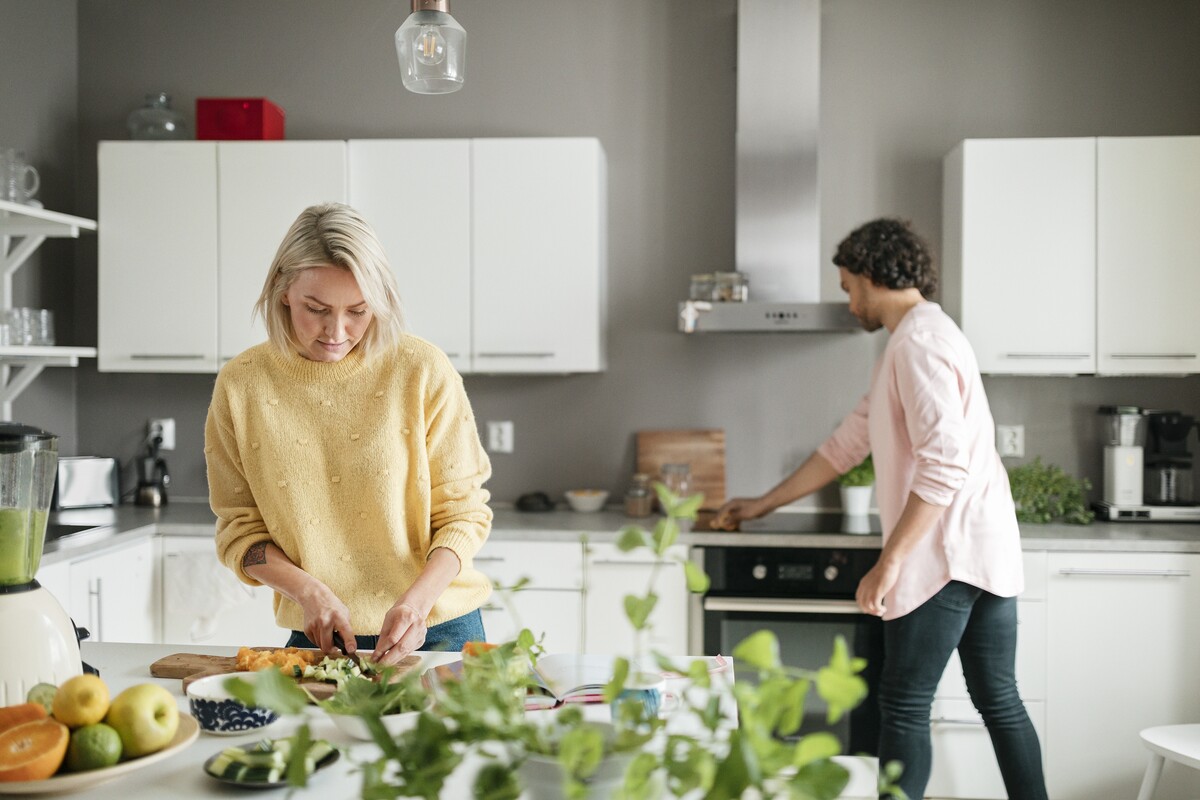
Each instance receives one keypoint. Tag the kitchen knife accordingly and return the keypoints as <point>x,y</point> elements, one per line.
<point>340,644</point>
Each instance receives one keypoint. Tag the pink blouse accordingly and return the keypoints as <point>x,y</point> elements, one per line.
<point>927,423</point>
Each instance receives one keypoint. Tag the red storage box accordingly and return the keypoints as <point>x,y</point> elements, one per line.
<point>238,118</point>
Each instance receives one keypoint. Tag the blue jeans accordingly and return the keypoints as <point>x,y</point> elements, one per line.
<point>450,635</point>
<point>917,647</point>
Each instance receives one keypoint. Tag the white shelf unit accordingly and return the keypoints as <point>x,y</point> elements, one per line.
<point>22,230</point>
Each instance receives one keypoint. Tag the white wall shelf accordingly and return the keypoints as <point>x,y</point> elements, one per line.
<point>23,228</point>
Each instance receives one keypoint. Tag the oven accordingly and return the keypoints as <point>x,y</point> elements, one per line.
<point>805,595</point>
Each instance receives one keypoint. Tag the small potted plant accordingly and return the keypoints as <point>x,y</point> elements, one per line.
<point>856,486</point>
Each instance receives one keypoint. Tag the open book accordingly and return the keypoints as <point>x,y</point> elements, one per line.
<point>569,678</point>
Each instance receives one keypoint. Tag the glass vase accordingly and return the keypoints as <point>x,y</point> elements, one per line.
<point>157,120</point>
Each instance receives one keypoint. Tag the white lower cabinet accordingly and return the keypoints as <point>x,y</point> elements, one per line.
<point>611,575</point>
<point>1123,639</point>
<point>204,603</point>
<point>116,595</point>
<point>550,604</point>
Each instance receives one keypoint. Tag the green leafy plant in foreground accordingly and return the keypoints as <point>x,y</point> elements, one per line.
<point>716,757</point>
<point>1045,493</point>
<point>861,474</point>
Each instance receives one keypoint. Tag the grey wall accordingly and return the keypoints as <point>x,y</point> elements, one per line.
<point>654,81</point>
<point>38,90</point>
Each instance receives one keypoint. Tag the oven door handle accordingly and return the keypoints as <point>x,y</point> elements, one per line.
<point>777,606</point>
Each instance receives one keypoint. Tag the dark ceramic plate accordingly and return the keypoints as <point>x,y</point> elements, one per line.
<point>322,764</point>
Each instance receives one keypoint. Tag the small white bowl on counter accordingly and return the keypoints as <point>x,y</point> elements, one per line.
<point>355,728</point>
<point>586,499</point>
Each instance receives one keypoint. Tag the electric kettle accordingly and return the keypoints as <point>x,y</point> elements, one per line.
<point>40,641</point>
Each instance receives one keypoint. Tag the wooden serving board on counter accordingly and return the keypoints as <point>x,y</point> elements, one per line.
<point>701,449</point>
<point>191,667</point>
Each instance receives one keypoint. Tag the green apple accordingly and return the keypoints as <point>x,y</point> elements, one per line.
<point>145,717</point>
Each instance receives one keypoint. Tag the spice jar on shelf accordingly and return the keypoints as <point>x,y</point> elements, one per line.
<point>702,287</point>
<point>639,500</point>
<point>731,287</point>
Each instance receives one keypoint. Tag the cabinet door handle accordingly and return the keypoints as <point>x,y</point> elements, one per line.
<point>612,562</point>
<point>94,608</point>
<point>975,723</point>
<point>515,355</point>
<point>1128,573</point>
<point>166,357</point>
<point>478,559</point>
<point>1055,356</point>
<point>1175,356</point>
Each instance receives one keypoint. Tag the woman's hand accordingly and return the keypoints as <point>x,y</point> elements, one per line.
<point>325,613</point>
<point>739,508</point>
<point>403,632</point>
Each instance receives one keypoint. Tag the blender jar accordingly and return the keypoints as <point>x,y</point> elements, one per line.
<point>1123,426</point>
<point>28,462</point>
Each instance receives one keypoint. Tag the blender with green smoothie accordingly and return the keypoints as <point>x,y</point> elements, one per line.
<point>41,644</point>
<point>28,460</point>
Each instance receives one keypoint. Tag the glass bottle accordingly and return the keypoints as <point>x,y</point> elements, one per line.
<point>156,119</point>
<point>677,478</point>
<point>639,500</point>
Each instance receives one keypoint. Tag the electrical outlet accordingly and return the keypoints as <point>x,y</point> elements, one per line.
<point>164,428</point>
<point>500,437</point>
<point>1010,440</point>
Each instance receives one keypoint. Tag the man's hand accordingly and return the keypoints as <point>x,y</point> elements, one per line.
<point>739,508</point>
<point>875,585</point>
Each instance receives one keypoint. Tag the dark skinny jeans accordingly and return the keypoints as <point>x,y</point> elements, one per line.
<point>917,647</point>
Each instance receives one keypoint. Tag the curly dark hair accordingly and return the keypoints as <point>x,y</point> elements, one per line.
<point>891,254</point>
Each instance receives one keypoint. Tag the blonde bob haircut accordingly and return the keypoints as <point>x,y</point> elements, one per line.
<point>332,235</point>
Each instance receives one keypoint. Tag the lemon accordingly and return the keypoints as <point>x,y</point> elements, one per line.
<point>93,747</point>
<point>82,700</point>
<point>43,693</point>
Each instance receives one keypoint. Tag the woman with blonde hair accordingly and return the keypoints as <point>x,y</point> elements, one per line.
<point>344,465</point>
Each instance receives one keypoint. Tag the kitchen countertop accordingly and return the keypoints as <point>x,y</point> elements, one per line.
<point>128,524</point>
<point>182,775</point>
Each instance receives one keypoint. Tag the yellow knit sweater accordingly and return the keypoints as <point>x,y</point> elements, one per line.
<point>356,469</point>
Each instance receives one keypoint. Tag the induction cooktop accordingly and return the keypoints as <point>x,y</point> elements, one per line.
<point>813,522</point>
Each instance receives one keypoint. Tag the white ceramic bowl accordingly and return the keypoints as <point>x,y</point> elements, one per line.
<point>586,499</point>
<point>217,711</point>
<point>355,728</point>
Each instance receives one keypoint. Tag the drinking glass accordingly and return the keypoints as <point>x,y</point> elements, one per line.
<point>19,181</point>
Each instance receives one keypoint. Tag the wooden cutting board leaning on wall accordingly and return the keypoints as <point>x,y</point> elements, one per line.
<point>701,449</point>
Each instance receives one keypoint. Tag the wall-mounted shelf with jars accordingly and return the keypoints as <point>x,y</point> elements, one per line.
<point>23,228</point>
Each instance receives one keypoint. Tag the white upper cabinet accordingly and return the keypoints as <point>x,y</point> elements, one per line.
<point>538,210</point>
<point>416,194</point>
<point>1070,256</point>
<point>1019,257</point>
<point>498,245</point>
<point>262,188</point>
<point>158,257</point>
<point>1148,255</point>
<point>189,230</point>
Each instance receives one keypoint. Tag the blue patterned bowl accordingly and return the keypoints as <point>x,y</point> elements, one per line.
<point>219,713</point>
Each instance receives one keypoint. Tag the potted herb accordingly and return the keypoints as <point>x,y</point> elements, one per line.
<point>856,486</point>
<point>1045,493</point>
<point>478,721</point>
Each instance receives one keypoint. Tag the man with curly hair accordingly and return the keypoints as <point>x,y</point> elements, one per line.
<point>950,569</point>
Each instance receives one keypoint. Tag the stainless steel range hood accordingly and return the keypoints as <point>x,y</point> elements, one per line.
<point>778,231</point>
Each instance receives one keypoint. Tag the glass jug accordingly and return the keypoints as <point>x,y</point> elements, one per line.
<point>28,466</point>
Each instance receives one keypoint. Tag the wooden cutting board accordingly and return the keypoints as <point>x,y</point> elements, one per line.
<point>191,667</point>
<point>702,449</point>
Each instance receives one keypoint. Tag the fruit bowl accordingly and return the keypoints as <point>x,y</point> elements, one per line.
<point>218,712</point>
<point>586,499</point>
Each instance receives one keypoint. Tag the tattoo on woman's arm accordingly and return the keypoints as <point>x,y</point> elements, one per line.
<point>257,554</point>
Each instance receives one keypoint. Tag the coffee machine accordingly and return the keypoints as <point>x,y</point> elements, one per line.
<point>153,478</point>
<point>1146,465</point>
<point>1169,480</point>
<point>40,643</point>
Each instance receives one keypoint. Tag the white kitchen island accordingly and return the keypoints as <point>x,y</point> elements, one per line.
<point>182,774</point>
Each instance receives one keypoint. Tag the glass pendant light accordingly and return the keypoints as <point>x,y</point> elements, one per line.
<point>431,47</point>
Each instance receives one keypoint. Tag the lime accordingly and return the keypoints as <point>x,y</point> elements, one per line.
<point>93,747</point>
<point>43,693</point>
